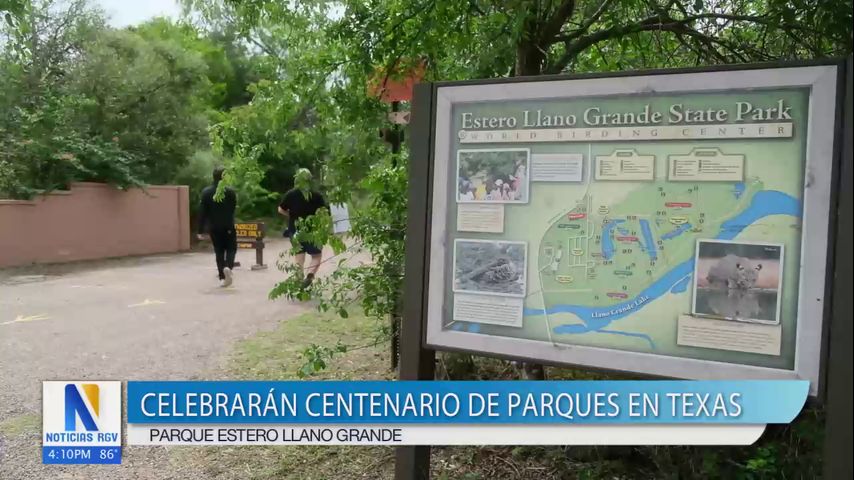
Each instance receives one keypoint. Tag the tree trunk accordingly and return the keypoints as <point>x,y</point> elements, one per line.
<point>530,60</point>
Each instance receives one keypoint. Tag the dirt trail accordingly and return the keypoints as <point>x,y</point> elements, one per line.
<point>148,318</point>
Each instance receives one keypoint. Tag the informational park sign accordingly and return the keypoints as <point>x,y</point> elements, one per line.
<point>669,224</point>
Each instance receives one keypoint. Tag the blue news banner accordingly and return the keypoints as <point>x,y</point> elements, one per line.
<point>82,420</point>
<point>466,402</point>
<point>505,412</point>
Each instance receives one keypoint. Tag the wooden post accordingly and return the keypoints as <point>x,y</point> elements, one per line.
<point>259,248</point>
<point>838,433</point>
<point>394,345</point>
<point>251,236</point>
<point>394,320</point>
<point>416,363</point>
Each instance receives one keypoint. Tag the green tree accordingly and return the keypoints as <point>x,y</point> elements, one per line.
<point>230,69</point>
<point>12,9</point>
<point>145,94</point>
<point>42,144</point>
<point>86,102</point>
<point>326,53</point>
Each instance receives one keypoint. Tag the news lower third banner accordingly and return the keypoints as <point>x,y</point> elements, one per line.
<point>458,412</point>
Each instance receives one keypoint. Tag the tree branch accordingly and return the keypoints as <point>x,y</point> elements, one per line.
<point>657,22</point>
<point>264,48</point>
<point>585,26</point>
<point>553,25</point>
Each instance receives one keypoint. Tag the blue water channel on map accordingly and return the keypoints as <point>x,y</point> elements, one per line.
<point>764,203</point>
<point>607,241</point>
<point>677,231</point>
<point>648,241</point>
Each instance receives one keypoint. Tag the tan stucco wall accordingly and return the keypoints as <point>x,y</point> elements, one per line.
<point>92,221</point>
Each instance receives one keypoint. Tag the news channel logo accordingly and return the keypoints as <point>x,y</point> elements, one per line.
<point>81,422</point>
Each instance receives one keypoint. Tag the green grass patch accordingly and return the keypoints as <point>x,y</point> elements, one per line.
<point>277,355</point>
<point>791,451</point>
<point>20,425</point>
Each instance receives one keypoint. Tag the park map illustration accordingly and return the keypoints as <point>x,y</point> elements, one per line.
<point>611,258</point>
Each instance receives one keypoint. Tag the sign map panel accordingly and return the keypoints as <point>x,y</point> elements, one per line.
<point>661,223</point>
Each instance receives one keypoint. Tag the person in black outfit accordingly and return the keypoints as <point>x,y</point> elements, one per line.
<point>218,218</point>
<point>298,203</point>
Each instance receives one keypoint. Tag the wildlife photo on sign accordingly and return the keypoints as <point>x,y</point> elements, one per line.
<point>493,176</point>
<point>738,281</point>
<point>490,267</point>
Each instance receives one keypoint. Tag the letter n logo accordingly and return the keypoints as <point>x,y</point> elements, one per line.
<point>75,406</point>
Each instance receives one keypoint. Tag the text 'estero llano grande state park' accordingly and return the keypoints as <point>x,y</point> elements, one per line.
<point>677,113</point>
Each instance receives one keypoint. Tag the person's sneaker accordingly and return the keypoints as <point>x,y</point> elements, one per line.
<point>229,277</point>
<point>307,282</point>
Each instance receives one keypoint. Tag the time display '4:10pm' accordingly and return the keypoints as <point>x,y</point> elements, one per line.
<point>81,455</point>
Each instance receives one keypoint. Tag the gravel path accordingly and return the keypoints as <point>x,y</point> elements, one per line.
<point>148,318</point>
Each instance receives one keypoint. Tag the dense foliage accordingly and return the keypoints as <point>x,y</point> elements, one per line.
<point>83,101</point>
<point>326,53</point>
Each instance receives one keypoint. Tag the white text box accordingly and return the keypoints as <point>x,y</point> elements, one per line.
<point>557,167</point>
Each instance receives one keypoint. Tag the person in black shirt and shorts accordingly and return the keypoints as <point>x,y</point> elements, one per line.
<point>218,218</point>
<point>300,202</point>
